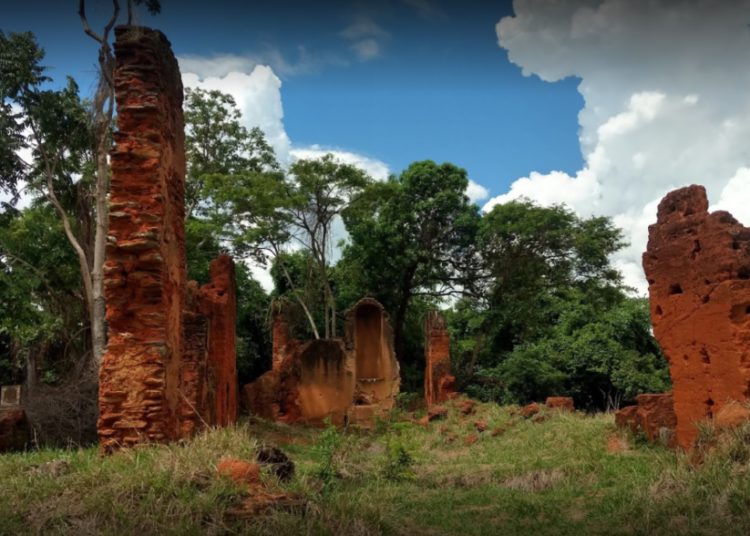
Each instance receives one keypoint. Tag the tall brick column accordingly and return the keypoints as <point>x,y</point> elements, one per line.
<point>438,382</point>
<point>698,269</point>
<point>145,262</point>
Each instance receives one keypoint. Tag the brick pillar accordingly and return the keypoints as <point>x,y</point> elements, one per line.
<point>139,395</point>
<point>438,382</point>
<point>218,301</point>
<point>698,269</point>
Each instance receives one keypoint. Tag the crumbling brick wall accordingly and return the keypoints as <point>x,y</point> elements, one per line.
<point>350,380</point>
<point>161,363</point>
<point>218,302</point>
<point>439,384</point>
<point>698,269</point>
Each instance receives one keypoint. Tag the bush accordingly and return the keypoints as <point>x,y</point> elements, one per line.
<point>328,446</point>
<point>64,415</point>
<point>398,462</point>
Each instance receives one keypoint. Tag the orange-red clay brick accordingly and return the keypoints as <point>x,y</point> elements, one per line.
<point>698,268</point>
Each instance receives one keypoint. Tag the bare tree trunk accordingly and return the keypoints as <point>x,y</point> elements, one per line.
<point>103,112</point>
<point>300,300</point>
<point>98,310</point>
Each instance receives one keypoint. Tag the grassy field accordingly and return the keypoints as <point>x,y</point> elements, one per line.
<point>568,474</point>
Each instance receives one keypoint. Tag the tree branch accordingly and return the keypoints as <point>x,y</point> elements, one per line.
<point>85,22</point>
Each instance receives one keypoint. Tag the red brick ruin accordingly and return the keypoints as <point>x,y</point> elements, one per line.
<point>169,367</point>
<point>652,415</point>
<point>351,380</point>
<point>698,269</point>
<point>439,384</point>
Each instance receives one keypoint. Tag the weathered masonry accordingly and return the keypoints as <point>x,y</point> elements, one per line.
<point>169,366</point>
<point>350,380</point>
<point>698,269</point>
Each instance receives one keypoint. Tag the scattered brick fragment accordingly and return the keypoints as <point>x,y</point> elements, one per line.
<point>471,439</point>
<point>530,410</point>
<point>653,416</point>
<point>563,403</point>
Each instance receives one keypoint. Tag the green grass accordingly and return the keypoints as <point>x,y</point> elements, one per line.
<point>551,477</point>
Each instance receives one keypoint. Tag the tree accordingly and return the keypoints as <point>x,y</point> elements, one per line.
<point>317,195</point>
<point>552,316</point>
<point>599,357</point>
<point>239,198</point>
<point>530,254</point>
<point>218,146</point>
<point>42,309</point>
<point>55,127</point>
<point>412,236</point>
<point>102,110</point>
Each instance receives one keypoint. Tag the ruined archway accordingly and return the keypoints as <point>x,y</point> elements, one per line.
<point>377,372</point>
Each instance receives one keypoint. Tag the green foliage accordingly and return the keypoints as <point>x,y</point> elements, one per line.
<point>218,150</point>
<point>411,236</point>
<point>599,360</point>
<point>222,158</point>
<point>398,460</point>
<point>551,316</point>
<point>153,6</point>
<point>53,125</point>
<point>40,302</point>
<point>327,447</point>
<point>253,335</point>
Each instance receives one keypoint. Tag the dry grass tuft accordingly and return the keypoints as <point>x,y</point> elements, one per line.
<point>534,481</point>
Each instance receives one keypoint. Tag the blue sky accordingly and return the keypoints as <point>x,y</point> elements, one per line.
<point>624,100</point>
<point>438,87</point>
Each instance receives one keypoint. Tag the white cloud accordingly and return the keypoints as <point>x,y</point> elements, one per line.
<point>219,65</point>
<point>374,168</point>
<point>664,106</point>
<point>363,27</point>
<point>476,192</point>
<point>258,97</point>
<point>735,197</point>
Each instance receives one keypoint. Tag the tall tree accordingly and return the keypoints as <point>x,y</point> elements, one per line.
<point>551,314</point>
<point>42,309</point>
<point>413,236</point>
<point>531,253</point>
<point>272,213</point>
<point>102,111</point>
<point>239,198</point>
<point>318,193</point>
<point>54,127</point>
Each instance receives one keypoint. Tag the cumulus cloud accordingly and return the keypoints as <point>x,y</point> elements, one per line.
<point>373,167</point>
<point>664,108</point>
<point>735,197</point>
<point>476,192</point>
<point>258,97</point>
